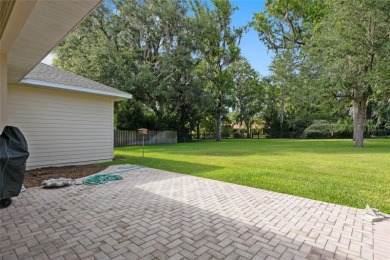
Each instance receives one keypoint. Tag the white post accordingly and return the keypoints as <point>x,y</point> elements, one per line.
<point>3,91</point>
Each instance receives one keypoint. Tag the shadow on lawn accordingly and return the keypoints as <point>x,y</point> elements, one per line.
<point>285,152</point>
<point>270,147</point>
<point>165,164</point>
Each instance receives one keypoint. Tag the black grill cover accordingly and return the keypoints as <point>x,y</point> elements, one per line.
<point>13,157</point>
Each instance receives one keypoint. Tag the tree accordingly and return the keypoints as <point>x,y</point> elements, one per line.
<point>283,69</point>
<point>287,23</point>
<point>131,115</point>
<point>271,110</point>
<point>350,51</point>
<point>284,27</point>
<point>299,100</point>
<point>248,93</point>
<point>218,46</point>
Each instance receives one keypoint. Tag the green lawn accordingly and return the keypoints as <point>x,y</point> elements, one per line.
<point>327,170</point>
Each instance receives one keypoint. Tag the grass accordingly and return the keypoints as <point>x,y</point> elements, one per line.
<point>327,170</point>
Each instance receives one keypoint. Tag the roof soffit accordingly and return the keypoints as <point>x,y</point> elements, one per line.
<point>47,24</point>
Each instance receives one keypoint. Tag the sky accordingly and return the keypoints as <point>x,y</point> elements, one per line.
<point>251,47</point>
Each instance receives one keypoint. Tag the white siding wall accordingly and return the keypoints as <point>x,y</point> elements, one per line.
<point>62,127</point>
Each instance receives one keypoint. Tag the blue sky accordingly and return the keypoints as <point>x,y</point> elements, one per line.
<point>251,47</point>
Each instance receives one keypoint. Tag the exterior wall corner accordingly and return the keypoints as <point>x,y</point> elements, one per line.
<point>3,91</point>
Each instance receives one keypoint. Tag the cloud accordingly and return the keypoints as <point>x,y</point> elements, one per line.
<point>48,59</point>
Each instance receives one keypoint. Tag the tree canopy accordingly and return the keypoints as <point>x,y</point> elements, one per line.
<point>350,50</point>
<point>181,61</point>
<point>333,53</point>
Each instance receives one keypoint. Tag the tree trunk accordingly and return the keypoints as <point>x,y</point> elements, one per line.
<point>358,123</point>
<point>219,126</point>
<point>282,115</point>
<point>198,130</point>
<point>354,118</point>
<point>248,129</point>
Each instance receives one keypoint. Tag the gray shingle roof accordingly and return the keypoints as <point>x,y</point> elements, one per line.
<point>57,78</point>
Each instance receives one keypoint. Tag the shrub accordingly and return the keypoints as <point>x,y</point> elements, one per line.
<point>320,129</point>
<point>344,128</point>
<point>296,126</point>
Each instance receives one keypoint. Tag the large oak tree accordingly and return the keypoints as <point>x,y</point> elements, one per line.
<point>218,46</point>
<point>350,51</point>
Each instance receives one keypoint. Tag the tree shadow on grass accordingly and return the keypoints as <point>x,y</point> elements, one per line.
<point>165,164</point>
<point>274,147</point>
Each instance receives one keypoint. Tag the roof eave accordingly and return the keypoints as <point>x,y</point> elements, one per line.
<point>35,27</point>
<point>45,84</point>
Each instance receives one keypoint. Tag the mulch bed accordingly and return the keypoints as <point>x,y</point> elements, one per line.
<point>35,177</point>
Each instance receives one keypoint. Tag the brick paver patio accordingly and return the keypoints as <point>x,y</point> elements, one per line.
<point>154,214</point>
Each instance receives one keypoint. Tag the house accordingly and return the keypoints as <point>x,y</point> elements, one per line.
<point>239,130</point>
<point>66,118</point>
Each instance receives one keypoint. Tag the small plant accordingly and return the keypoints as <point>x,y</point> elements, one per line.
<point>320,129</point>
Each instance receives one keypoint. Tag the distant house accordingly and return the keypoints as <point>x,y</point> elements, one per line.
<point>241,128</point>
<point>66,118</point>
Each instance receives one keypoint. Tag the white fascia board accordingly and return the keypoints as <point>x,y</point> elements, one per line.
<point>39,83</point>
